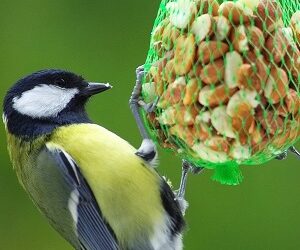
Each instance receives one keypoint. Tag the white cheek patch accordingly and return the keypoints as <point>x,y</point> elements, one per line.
<point>43,101</point>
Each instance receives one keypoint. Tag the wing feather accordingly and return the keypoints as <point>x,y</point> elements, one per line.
<point>93,231</point>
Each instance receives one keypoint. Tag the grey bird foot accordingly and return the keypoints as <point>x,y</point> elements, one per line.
<point>148,107</point>
<point>147,152</point>
<point>134,102</point>
<point>295,152</point>
<point>140,73</point>
<point>186,168</point>
<point>284,154</point>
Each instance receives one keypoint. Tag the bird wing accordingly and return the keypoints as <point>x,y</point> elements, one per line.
<point>91,228</point>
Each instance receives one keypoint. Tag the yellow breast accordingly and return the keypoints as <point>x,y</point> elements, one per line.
<point>126,189</point>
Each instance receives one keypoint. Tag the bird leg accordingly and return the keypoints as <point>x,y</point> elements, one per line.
<point>147,150</point>
<point>186,168</point>
<point>295,151</point>
<point>284,154</point>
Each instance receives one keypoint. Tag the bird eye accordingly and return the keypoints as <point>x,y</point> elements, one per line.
<point>60,81</point>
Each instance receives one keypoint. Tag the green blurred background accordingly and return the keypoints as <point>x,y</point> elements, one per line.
<point>106,41</point>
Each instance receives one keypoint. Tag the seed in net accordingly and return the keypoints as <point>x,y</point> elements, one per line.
<point>202,27</point>
<point>292,101</point>
<point>241,109</point>
<point>263,102</point>
<point>277,85</point>
<point>164,100</point>
<point>281,110</point>
<point>159,88</point>
<point>240,152</point>
<point>233,62</point>
<point>289,36</point>
<point>245,77</point>
<point>269,15</point>
<point>218,143</point>
<point>243,122</point>
<point>239,39</point>
<point>159,48</point>
<point>213,72</point>
<point>276,46</point>
<point>282,139</point>
<point>203,116</point>
<point>259,139</point>
<point>168,73</point>
<point>251,4</point>
<point>250,97</point>
<point>172,94</point>
<point>176,90</point>
<point>191,92</point>
<point>255,37</point>
<point>270,121</point>
<point>185,115</point>
<point>260,68</point>
<point>292,62</point>
<point>167,117</point>
<point>185,52</point>
<point>295,128</point>
<point>222,122</point>
<point>207,154</point>
<point>184,133</point>
<point>213,96</point>
<point>208,7</point>
<point>248,78</point>
<point>153,120</point>
<point>209,51</point>
<point>158,31</point>
<point>258,134</point>
<point>236,12</point>
<point>295,25</point>
<point>169,36</point>
<point>202,130</point>
<point>181,13</point>
<point>155,75</point>
<point>222,28</point>
<point>149,92</point>
<point>195,72</point>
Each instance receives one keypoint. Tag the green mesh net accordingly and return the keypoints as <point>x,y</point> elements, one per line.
<point>226,78</point>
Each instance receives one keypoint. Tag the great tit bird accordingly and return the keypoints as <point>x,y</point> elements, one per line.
<point>95,189</point>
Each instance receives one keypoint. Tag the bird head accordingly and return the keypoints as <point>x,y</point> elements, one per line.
<point>47,99</point>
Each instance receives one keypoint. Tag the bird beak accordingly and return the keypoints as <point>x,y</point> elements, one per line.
<point>95,88</point>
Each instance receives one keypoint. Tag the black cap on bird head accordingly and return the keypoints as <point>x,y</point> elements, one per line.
<point>46,99</point>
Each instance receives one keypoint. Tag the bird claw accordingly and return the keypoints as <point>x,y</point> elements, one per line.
<point>186,168</point>
<point>136,103</point>
<point>284,154</point>
<point>140,73</point>
<point>192,167</point>
<point>180,193</point>
<point>150,107</point>
<point>295,151</point>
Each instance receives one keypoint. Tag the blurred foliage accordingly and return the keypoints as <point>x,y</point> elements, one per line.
<point>106,41</point>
